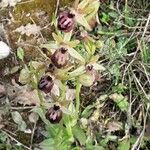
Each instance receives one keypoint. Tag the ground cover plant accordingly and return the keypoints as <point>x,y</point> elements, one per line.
<point>78,82</point>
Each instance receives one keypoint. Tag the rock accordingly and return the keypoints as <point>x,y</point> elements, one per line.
<point>4,50</point>
<point>2,91</point>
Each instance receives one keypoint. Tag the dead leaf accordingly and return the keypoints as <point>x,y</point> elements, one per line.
<point>23,95</point>
<point>33,117</point>
<point>29,29</point>
<point>55,90</point>
<point>114,126</point>
<point>70,94</point>
<point>27,97</point>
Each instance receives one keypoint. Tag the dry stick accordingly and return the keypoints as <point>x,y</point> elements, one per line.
<point>57,6</point>
<point>139,19</point>
<point>129,109</point>
<point>22,108</point>
<point>134,113</point>
<point>26,2</point>
<point>146,26</point>
<point>126,69</point>
<point>137,144</point>
<point>137,27</point>
<point>9,132</point>
<point>15,140</point>
<point>32,136</point>
<point>138,82</point>
<point>145,72</point>
<point>133,57</point>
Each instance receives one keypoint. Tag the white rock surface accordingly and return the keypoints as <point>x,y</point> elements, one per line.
<point>6,3</point>
<point>4,50</point>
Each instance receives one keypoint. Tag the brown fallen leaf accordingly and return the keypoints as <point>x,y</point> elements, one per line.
<point>70,94</point>
<point>114,126</point>
<point>27,97</point>
<point>23,95</point>
<point>29,29</point>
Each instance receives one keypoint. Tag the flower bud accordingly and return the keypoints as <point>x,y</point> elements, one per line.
<point>89,77</point>
<point>54,114</point>
<point>46,51</point>
<point>60,57</point>
<point>66,21</point>
<point>46,84</point>
<point>51,68</point>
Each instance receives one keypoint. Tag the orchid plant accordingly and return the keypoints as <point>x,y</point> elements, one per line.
<point>64,63</point>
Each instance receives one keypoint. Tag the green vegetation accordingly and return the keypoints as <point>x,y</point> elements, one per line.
<point>89,86</point>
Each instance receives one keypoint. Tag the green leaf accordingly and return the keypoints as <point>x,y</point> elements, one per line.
<point>57,38</point>
<point>73,43</point>
<point>18,120</point>
<point>80,70</point>
<point>25,76</point>
<point>81,20</point>
<point>88,111</point>
<point>90,47</point>
<point>105,18</point>
<point>50,46</point>
<point>41,113</point>
<point>83,3</point>
<point>113,14</point>
<point>20,53</point>
<point>97,66</point>
<point>48,144</point>
<point>124,145</point>
<point>95,148</point>
<point>79,134</point>
<point>75,54</point>
<point>121,101</point>
<point>67,36</point>
<point>93,9</point>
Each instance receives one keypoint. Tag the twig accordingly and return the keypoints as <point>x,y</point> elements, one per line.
<point>26,2</point>
<point>139,19</point>
<point>32,136</point>
<point>138,82</point>
<point>135,27</point>
<point>137,144</point>
<point>22,108</point>
<point>15,140</point>
<point>57,6</point>
<point>145,71</point>
<point>129,109</point>
<point>146,26</point>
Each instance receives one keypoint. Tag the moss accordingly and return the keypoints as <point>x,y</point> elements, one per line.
<point>21,10</point>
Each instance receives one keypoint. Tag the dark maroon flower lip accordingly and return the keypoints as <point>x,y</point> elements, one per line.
<point>46,84</point>
<point>60,57</point>
<point>54,114</point>
<point>51,68</point>
<point>89,67</point>
<point>66,21</point>
<point>92,72</point>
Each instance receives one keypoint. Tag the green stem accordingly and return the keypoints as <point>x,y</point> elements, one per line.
<point>40,97</point>
<point>38,91</point>
<point>78,89</point>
